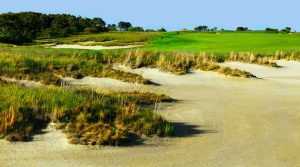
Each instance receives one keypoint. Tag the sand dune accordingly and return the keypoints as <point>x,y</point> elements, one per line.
<point>220,121</point>
<point>288,71</point>
<point>104,84</point>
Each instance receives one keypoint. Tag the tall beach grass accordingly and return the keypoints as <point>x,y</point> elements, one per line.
<point>85,116</point>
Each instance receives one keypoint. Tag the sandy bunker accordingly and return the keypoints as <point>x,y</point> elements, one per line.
<point>69,46</point>
<point>220,121</point>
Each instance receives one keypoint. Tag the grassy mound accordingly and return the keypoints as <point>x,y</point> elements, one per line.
<point>87,117</point>
<point>224,70</point>
<point>45,65</point>
<point>176,62</point>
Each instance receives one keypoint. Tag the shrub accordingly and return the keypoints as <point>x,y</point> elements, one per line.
<point>136,29</point>
<point>242,29</point>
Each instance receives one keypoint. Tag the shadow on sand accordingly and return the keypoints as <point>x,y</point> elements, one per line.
<point>187,130</point>
<point>180,130</point>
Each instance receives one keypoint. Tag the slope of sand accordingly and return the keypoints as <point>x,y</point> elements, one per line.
<point>67,46</point>
<point>288,71</point>
<point>104,84</point>
<point>219,121</point>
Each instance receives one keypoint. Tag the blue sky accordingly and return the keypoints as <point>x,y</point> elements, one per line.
<point>173,14</point>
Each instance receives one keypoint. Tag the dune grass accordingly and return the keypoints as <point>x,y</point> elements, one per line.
<point>46,65</point>
<point>49,65</point>
<point>178,63</point>
<point>85,116</point>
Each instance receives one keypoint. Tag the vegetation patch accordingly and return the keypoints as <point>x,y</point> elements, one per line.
<point>176,62</point>
<point>224,70</point>
<point>85,116</point>
<point>105,39</point>
<point>266,60</point>
<point>146,98</point>
<point>45,65</point>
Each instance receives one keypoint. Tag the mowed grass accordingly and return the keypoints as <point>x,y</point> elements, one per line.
<point>107,39</point>
<point>226,42</point>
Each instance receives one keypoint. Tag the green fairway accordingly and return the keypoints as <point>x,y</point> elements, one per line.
<point>225,42</point>
<point>106,39</point>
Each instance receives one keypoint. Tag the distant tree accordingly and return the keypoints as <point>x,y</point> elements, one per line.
<point>28,24</point>
<point>215,28</point>
<point>136,29</point>
<point>149,30</point>
<point>124,26</point>
<point>12,29</point>
<point>287,30</point>
<point>271,30</point>
<point>222,29</point>
<point>98,24</point>
<point>201,28</point>
<point>60,26</point>
<point>84,23</point>
<point>49,32</point>
<point>91,30</point>
<point>8,35</point>
<point>161,30</point>
<point>112,27</point>
<point>242,29</point>
<point>23,27</point>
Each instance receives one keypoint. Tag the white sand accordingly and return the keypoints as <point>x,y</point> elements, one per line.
<point>25,83</point>
<point>67,46</point>
<point>288,71</point>
<point>105,84</point>
<point>233,122</point>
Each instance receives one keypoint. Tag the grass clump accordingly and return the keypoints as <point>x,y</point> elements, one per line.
<point>146,98</point>
<point>85,116</point>
<point>235,72</point>
<point>224,70</point>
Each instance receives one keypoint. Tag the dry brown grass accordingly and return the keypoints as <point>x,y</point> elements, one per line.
<point>87,117</point>
<point>176,62</point>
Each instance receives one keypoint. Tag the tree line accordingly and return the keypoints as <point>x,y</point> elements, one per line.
<point>18,28</point>
<point>204,28</point>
